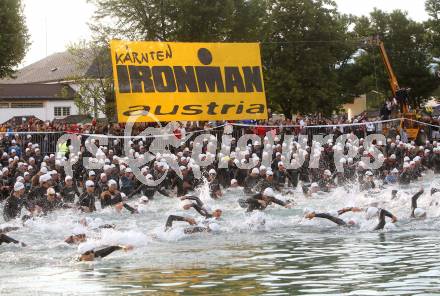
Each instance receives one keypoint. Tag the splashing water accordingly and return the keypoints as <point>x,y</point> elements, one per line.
<point>272,252</point>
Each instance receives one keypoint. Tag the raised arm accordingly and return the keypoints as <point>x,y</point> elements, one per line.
<point>173,218</point>
<point>382,214</point>
<point>194,198</point>
<point>414,199</point>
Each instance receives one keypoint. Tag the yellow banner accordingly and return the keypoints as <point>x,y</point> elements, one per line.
<point>177,81</point>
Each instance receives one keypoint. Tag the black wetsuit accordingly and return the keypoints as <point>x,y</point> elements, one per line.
<point>405,178</point>
<point>253,203</point>
<point>198,206</point>
<point>36,195</point>
<point>188,230</point>
<point>249,183</point>
<point>49,206</point>
<point>4,239</point>
<point>148,191</point>
<point>87,200</point>
<point>263,184</point>
<point>68,193</point>
<point>336,220</point>
<point>114,199</point>
<point>214,186</point>
<point>101,253</point>
<point>382,214</point>
<point>414,202</point>
<point>13,206</point>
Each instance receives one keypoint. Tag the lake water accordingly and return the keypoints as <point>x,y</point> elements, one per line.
<point>289,255</point>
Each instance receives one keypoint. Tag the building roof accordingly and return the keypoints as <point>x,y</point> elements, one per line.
<point>59,67</point>
<point>56,91</point>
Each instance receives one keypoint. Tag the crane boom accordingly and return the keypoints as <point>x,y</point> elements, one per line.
<point>410,126</point>
<point>391,76</point>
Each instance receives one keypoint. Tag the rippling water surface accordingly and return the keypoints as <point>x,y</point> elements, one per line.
<point>288,256</point>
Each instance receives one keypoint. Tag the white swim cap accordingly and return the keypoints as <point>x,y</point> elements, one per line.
<point>90,183</point>
<point>18,186</point>
<point>143,199</point>
<point>269,192</point>
<point>371,212</point>
<point>419,213</point>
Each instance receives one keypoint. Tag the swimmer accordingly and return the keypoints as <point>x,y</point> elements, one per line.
<point>113,197</point>
<point>190,221</point>
<point>382,214</point>
<point>75,239</point>
<point>415,211</point>
<point>87,199</point>
<point>260,201</point>
<point>309,191</point>
<point>214,186</point>
<point>101,253</point>
<point>15,202</point>
<point>200,208</point>
<point>84,222</point>
<point>4,239</point>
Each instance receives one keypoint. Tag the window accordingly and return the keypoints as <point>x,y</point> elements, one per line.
<point>26,105</point>
<point>61,111</point>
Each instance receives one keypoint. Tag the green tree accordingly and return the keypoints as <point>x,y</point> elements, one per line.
<point>408,50</point>
<point>307,50</point>
<point>180,20</point>
<point>433,25</point>
<point>14,39</point>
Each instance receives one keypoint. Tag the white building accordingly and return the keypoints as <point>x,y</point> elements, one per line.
<point>44,101</point>
<point>44,89</point>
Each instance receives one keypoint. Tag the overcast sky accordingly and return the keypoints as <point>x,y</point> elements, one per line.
<point>65,21</point>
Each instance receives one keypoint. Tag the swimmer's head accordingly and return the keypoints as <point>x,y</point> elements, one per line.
<point>143,200</point>
<point>112,184</point>
<point>87,256</point>
<point>68,180</point>
<point>372,212</point>
<point>51,194</point>
<point>76,239</point>
<point>19,187</point>
<point>217,213</point>
<point>268,192</point>
<point>234,183</point>
<point>269,175</point>
<point>255,172</point>
<point>420,213</point>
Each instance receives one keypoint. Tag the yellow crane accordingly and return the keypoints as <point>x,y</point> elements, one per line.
<point>411,128</point>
